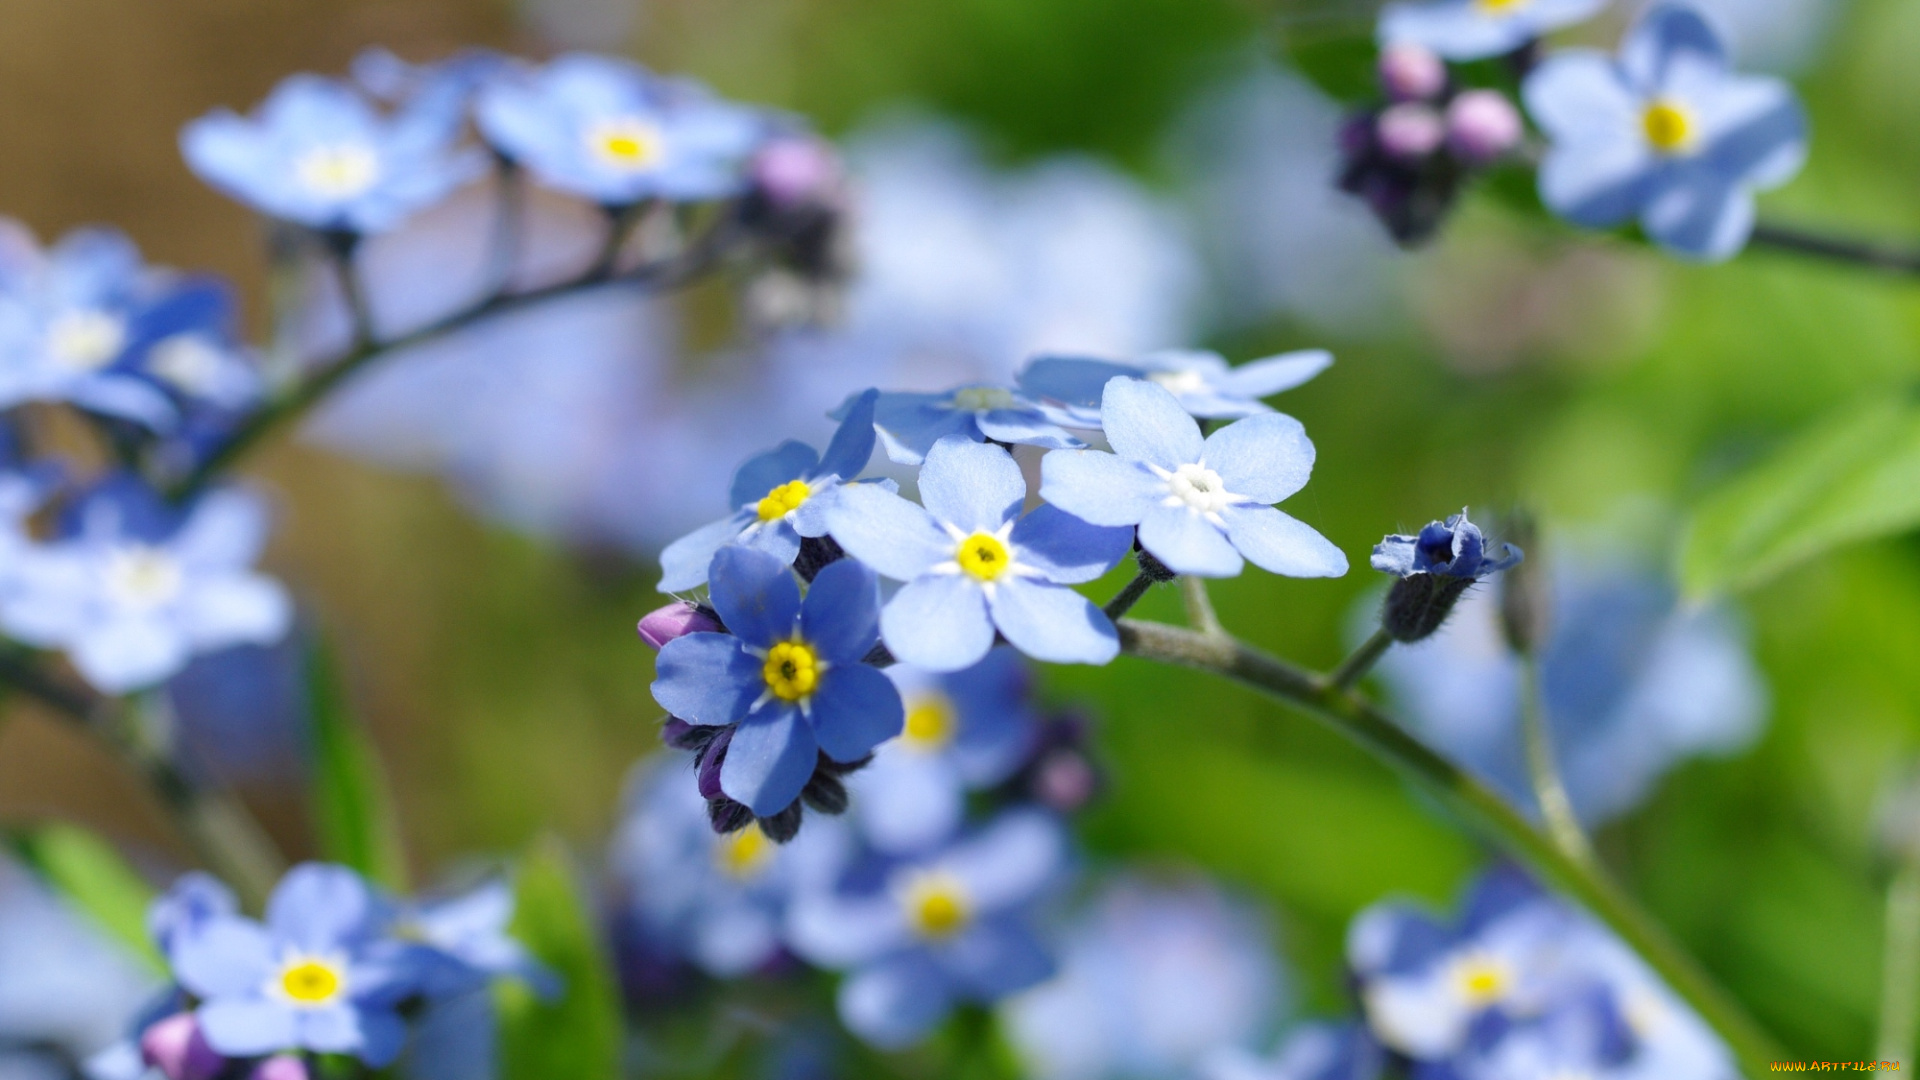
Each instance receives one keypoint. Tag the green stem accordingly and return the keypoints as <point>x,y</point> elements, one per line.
<point>1200,613</point>
<point>1355,667</point>
<point>1556,808</point>
<point>1128,596</point>
<point>1900,977</point>
<point>1473,801</point>
<point>1836,249</point>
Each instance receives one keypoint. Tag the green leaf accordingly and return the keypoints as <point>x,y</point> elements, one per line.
<point>90,873</point>
<point>353,815</point>
<point>577,1033</point>
<point>1855,476</point>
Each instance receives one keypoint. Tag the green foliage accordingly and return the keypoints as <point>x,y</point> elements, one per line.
<point>353,817</point>
<point>1854,476</point>
<point>577,1033</point>
<point>89,872</point>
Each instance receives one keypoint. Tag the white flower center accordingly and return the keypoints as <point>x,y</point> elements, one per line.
<point>142,577</point>
<point>982,399</point>
<point>1480,979</point>
<point>338,171</point>
<point>187,361</point>
<point>984,557</point>
<point>1179,382</point>
<point>1198,488</point>
<point>86,340</point>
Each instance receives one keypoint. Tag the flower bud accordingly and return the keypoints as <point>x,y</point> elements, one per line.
<point>280,1067</point>
<point>1435,568</point>
<point>797,170</point>
<point>676,619</point>
<point>1410,72</point>
<point>1065,781</point>
<point>1409,131</point>
<point>177,1048</point>
<point>1482,125</point>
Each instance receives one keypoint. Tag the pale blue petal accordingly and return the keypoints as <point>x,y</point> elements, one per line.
<point>1146,423</point>
<point>1703,217</point>
<point>1065,548</point>
<point>1029,426</point>
<point>1755,130</point>
<point>972,486</point>
<point>128,653</point>
<point>707,679</point>
<point>1072,380</point>
<point>887,532</point>
<point>330,1029</point>
<point>1273,541</point>
<point>1098,487</point>
<point>841,614</point>
<point>856,709</point>
<point>242,1027</point>
<point>777,538</point>
<point>769,761</point>
<point>1598,185</point>
<point>1577,96</point>
<point>684,563</point>
<point>897,1002</point>
<point>852,444</point>
<point>1188,543</point>
<point>1456,29</point>
<point>909,424</point>
<point>1050,622</point>
<point>997,957</point>
<point>321,907</point>
<point>1666,36</point>
<point>223,957</point>
<point>1011,860</point>
<point>1264,378</point>
<point>938,622</point>
<point>235,609</point>
<point>908,801</point>
<point>762,473</point>
<point>1265,458</point>
<point>837,930</point>
<point>756,594</point>
<point>382,1036</point>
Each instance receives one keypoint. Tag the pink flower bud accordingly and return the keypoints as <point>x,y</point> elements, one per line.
<point>1410,72</point>
<point>677,618</point>
<point>176,1047</point>
<point>1409,131</point>
<point>1066,781</point>
<point>280,1067</point>
<point>796,170</point>
<point>1482,125</point>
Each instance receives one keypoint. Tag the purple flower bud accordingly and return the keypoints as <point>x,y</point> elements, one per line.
<point>280,1067</point>
<point>1482,125</point>
<point>797,170</point>
<point>1409,131</point>
<point>1410,72</point>
<point>1065,781</point>
<point>176,1047</point>
<point>678,618</point>
<point>710,762</point>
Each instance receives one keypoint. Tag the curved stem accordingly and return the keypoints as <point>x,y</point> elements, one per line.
<point>1478,804</point>
<point>1556,808</point>
<point>1355,667</point>
<point>1129,595</point>
<point>1836,249</point>
<point>1200,613</point>
<point>1900,975</point>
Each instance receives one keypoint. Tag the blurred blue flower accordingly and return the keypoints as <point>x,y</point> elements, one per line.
<point>909,424</point>
<point>1474,29</point>
<point>320,974</point>
<point>1201,505</point>
<point>467,942</point>
<point>917,936</point>
<point>1155,979</point>
<point>787,678</point>
<point>1665,132</point>
<point>1202,382</point>
<point>972,564</point>
<point>964,731</point>
<point>718,901</point>
<point>608,130</point>
<point>194,899</point>
<point>318,153</point>
<point>137,588</point>
<point>779,497</point>
<point>1311,1052</point>
<point>1452,548</point>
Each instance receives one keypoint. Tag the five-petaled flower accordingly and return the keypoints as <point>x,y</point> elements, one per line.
<point>910,424</point>
<point>1475,29</point>
<point>1200,504</point>
<point>1202,382</point>
<point>972,564</point>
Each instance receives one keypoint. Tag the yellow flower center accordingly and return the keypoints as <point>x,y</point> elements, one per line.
<point>744,855</point>
<point>627,143</point>
<point>1500,7</point>
<point>340,171</point>
<point>784,499</point>
<point>982,399</point>
<point>930,722</point>
<point>1668,126</point>
<point>792,670</point>
<point>937,905</point>
<point>1481,980</point>
<point>86,340</point>
<point>143,577</point>
<point>311,981</point>
<point>983,557</point>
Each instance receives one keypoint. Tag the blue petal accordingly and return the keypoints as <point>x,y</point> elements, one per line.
<point>896,1002</point>
<point>1051,622</point>
<point>997,957</point>
<point>1703,217</point>
<point>1666,37</point>
<point>1025,426</point>
<point>909,424</point>
<point>762,473</point>
<point>320,908</point>
<point>707,679</point>
<point>1010,861</point>
<point>887,532</point>
<point>222,957</point>
<point>841,615</point>
<point>777,538</point>
<point>243,1027</point>
<point>1275,542</point>
<point>1146,423</point>
<point>330,1029</point>
<point>1072,380</point>
<point>684,563</point>
<point>382,1036</point>
<point>1065,548</point>
<point>1453,28</point>
<point>972,486</point>
<point>1188,543</point>
<point>856,709</point>
<point>907,801</point>
<point>1576,95</point>
<point>1266,458</point>
<point>1755,130</point>
<point>997,726</point>
<point>756,595</point>
<point>1263,378</point>
<point>1099,487</point>
<point>770,759</point>
<point>938,622</point>
<point>1598,185</point>
<point>852,444</point>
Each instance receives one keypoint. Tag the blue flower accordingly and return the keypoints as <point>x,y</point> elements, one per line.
<point>317,153</point>
<point>320,974</point>
<point>138,589</point>
<point>964,731</point>
<point>1474,29</point>
<point>918,936</point>
<point>1452,548</point>
<point>910,424</point>
<point>1312,1052</point>
<point>610,131</point>
<point>194,900</point>
<point>1154,979</point>
<point>1201,505</point>
<point>780,497</point>
<point>972,564</point>
<point>718,901</point>
<point>467,943</point>
<point>1665,132</point>
<point>788,678</point>
<point>1201,381</point>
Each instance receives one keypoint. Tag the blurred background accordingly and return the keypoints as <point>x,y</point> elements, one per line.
<point>1105,176</point>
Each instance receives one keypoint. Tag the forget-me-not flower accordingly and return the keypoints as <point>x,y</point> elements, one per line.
<point>964,731</point>
<point>1202,382</point>
<point>779,498</point>
<point>318,153</point>
<point>1664,132</point>
<point>1201,504</point>
<point>787,678</point>
<point>138,589</point>
<point>972,564</point>
<point>919,936</point>
<point>609,130</point>
<point>1317,1051</point>
<point>1474,29</point>
<point>910,424</point>
<point>319,975</point>
<point>467,943</point>
<point>1435,568</point>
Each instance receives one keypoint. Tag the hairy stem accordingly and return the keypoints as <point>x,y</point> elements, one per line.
<point>1128,596</point>
<point>1355,667</point>
<point>1900,975</point>
<point>1854,252</point>
<point>1200,614</point>
<point>1556,808</point>
<point>1473,801</point>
